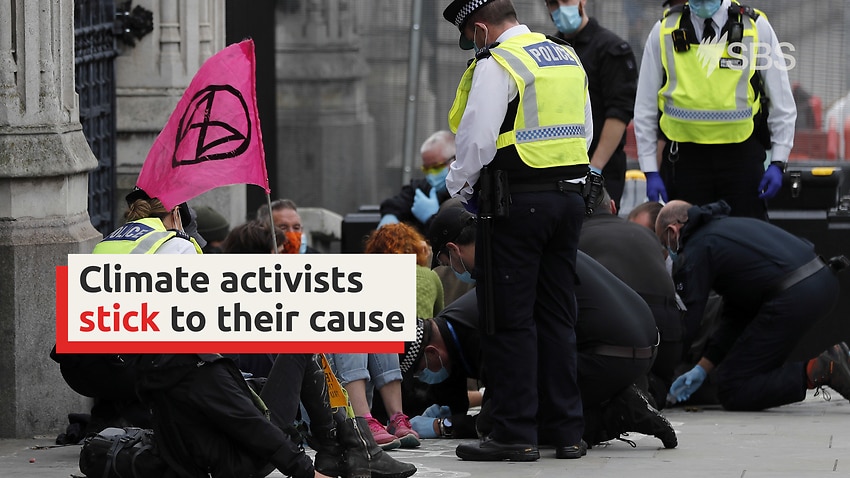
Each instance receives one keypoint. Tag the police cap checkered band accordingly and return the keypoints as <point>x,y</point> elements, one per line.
<point>466,9</point>
<point>413,350</point>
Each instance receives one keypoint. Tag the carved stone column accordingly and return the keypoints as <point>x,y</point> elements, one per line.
<point>326,144</point>
<point>151,78</point>
<point>44,164</point>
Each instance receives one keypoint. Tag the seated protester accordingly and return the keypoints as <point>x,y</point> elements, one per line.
<point>110,379</point>
<point>206,420</point>
<point>616,341</point>
<point>213,227</point>
<point>285,216</point>
<point>418,202</point>
<point>253,237</point>
<point>344,446</point>
<point>359,372</point>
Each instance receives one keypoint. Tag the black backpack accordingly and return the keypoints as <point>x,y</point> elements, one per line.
<point>121,453</point>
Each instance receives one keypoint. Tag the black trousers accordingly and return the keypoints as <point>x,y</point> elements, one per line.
<point>531,359</point>
<point>601,378</point>
<point>705,173</point>
<point>206,420</point>
<point>755,374</point>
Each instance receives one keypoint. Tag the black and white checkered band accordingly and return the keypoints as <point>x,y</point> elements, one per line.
<point>466,10</point>
<point>412,349</point>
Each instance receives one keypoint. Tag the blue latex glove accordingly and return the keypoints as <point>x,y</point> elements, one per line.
<point>688,383</point>
<point>424,426</point>
<point>436,411</point>
<point>387,219</point>
<point>771,182</point>
<point>655,187</point>
<point>596,170</point>
<point>425,206</point>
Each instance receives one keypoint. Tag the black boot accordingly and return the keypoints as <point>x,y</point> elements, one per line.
<point>630,411</point>
<point>324,437</point>
<point>363,457</point>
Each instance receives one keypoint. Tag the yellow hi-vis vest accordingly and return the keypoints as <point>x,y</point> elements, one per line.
<point>708,97</point>
<point>142,236</point>
<point>549,127</point>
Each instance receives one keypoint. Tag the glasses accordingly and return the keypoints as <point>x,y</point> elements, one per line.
<point>436,168</point>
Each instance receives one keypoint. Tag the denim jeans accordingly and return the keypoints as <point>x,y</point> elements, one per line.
<point>377,369</point>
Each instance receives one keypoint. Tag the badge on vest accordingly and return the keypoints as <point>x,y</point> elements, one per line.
<point>549,54</point>
<point>129,232</point>
<point>733,63</point>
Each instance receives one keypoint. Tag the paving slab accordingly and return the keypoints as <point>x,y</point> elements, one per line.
<point>802,440</point>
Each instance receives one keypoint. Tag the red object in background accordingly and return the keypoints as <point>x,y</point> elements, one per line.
<point>809,144</point>
<point>832,140</point>
<point>817,110</point>
<point>846,138</point>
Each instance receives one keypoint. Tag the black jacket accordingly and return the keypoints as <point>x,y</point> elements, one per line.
<point>741,258</point>
<point>400,204</point>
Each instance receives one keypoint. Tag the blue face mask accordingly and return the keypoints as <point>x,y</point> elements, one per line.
<point>567,18</point>
<point>465,276</point>
<point>674,254</point>
<point>704,8</point>
<point>429,377</point>
<point>438,180</point>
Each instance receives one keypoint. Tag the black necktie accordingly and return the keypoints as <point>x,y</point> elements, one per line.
<point>708,31</point>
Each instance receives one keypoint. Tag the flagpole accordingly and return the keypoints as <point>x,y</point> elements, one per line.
<point>271,222</point>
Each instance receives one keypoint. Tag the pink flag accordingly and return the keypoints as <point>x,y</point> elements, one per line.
<point>213,136</point>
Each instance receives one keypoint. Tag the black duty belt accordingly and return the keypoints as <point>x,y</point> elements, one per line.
<point>562,185</point>
<point>625,352</point>
<point>792,278</point>
<point>622,352</point>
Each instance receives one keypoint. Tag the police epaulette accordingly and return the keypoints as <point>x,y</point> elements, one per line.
<point>558,40</point>
<point>485,52</point>
<point>673,9</point>
<point>181,234</point>
<point>744,10</point>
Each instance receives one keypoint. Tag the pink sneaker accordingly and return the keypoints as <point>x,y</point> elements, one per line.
<point>384,440</point>
<point>400,427</point>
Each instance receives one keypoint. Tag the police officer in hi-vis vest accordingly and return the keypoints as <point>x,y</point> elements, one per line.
<point>713,79</point>
<point>523,122</point>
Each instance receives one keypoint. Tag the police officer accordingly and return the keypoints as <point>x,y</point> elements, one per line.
<point>702,85</point>
<point>612,81</point>
<point>522,110</point>
<point>631,252</point>
<point>150,229</point>
<point>616,338</point>
<point>774,287</point>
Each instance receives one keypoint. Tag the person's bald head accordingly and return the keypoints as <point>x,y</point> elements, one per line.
<point>672,217</point>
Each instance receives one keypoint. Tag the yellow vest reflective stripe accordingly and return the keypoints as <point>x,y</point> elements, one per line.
<point>549,127</point>
<point>704,100</point>
<point>143,236</point>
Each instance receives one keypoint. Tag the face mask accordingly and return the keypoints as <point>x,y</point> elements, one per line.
<point>567,18</point>
<point>704,8</point>
<point>465,276</point>
<point>293,242</point>
<point>672,253</point>
<point>429,377</point>
<point>438,180</point>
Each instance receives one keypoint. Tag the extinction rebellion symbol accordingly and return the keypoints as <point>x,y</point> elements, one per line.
<point>215,125</point>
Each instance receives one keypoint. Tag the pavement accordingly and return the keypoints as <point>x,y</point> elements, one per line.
<point>806,439</point>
